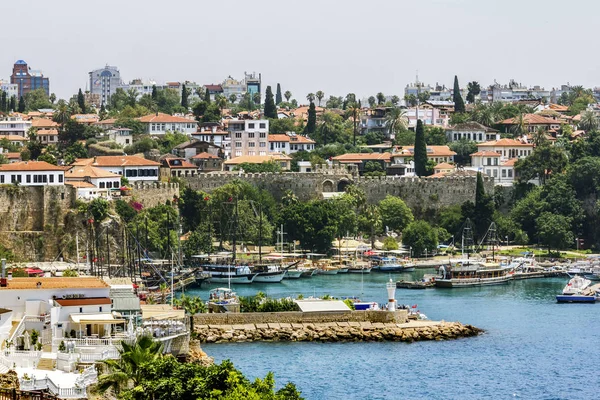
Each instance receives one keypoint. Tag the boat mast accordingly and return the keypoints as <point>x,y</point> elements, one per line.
<point>260,221</point>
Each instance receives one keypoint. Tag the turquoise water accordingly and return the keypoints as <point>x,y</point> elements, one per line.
<point>533,347</point>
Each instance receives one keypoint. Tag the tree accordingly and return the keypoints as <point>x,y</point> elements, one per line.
<point>459,104</point>
<point>553,231</point>
<point>463,149</point>
<point>543,162</point>
<point>389,243</point>
<point>81,101</point>
<point>21,104</point>
<point>4,102</point>
<point>287,95</point>
<point>232,98</point>
<point>473,89</point>
<point>435,136</point>
<point>270,110</point>
<point>62,114</point>
<point>13,103</point>
<point>184,97</point>
<point>395,214</point>
<point>420,236</point>
<point>37,99</point>
<point>589,121</point>
<point>423,96</point>
<point>484,207</point>
<point>380,98</point>
<point>371,220</point>
<point>154,93</point>
<point>278,98</point>
<point>99,209</point>
<point>192,305</point>
<point>34,146</point>
<point>207,96</point>
<point>420,150</point>
<point>411,100</point>
<point>395,100</point>
<point>396,121</point>
<point>310,97</point>
<point>371,100</point>
<point>311,124</point>
<point>373,168</point>
<point>320,94</point>
<point>354,109</point>
<point>71,132</point>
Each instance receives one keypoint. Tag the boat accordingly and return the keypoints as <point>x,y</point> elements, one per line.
<point>472,275</point>
<point>327,270</point>
<point>222,300</point>
<point>360,267</point>
<point>427,282</point>
<point>294,274</point>
<point>226,273</point>
<point>392,264</point>
<point>578,290</point>
<point>268,273</point>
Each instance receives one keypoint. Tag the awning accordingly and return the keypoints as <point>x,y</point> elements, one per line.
<point>161,311</point>
<point>100,318</point>
<point>321,305</point>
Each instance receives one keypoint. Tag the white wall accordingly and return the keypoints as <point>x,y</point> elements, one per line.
<point>57,178</point>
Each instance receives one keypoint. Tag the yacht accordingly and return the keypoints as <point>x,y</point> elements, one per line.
<point>472,274</point>
<point>578,290</point>
<point>392,264</point>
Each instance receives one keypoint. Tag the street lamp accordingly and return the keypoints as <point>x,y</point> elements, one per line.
<point>425,253</point>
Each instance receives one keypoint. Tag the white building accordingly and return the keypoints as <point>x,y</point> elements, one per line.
<point>471,131</point>
<point>159,124</point>
<point>494,165</point>
<point>92,182</point>
<point>289,143</point>
<point>104,82</point>
<point>248,138</point>
<point>11,89</point>
<point>14,126</point>
<point>32,173</point>
<point>122,136</point>
<point>213,135</point>
<point>507,148</point>
<point>133,168</point>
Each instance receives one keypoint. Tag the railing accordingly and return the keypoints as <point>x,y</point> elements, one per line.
<point>20,329</point>
<point>79,391</point>
<point>20,359</point>
<point>38,318</point>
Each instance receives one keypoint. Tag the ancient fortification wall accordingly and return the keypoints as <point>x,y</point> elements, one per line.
<point>417,192</point>
<point>151,194</point>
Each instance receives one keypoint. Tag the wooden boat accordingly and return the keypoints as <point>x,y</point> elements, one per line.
<point>472,275</point>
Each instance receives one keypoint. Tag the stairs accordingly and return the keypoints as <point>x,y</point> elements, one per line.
<point>3,369</point>
<point>46,364</point>
<point>15,324</point>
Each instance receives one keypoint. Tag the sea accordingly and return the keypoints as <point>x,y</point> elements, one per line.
<point>532,348</point>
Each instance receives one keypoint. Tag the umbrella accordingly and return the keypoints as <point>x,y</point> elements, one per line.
<point>106,329</point>
<point>130,327</point>
<point>27,341</point>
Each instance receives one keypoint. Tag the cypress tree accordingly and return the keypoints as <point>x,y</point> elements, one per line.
<point>311,125</point>
<point>81,101</point>
<point>270,110</point>
<point>154,93</point>
<point>459,104</point>
<point>420,152</point>
<point>13,103</point>
<point>479,191</point>
<point>21,105</point>
<point>207,96</point>
<point>184,97</point>
<point>4,102</point>
<point>278,98</point>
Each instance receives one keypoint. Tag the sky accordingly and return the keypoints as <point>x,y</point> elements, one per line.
<point>339,47</point>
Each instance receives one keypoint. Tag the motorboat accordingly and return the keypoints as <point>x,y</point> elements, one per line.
<point>360,267</point>
<point>578,290</point>
<point>268,273</point>
<point>222,300</point>
<point>472,274</point>
<point>392,264</point>
<point>293,274</point>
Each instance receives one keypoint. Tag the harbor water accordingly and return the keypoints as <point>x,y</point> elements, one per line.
<point>533,347</point>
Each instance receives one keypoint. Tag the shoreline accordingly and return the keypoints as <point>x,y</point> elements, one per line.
<point>335,332</point>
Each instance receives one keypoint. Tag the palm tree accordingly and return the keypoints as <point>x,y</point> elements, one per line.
<point>163,293</point>
<point>127,370</point>
<point>372,100</point>
<point>287,95</point>
<point>395,100</point>
<point>232,98</point>
<point>132,95</point>
<point>354,109</point>
<point>374,219</point>
<point>310,97</point>
<point>62,114</point>
<point>380,98</point>
<point>326,126</point>
<point>539,138</point>
<point>320,94</point>
<point>256,98</point>
<point>192,305</point>
<point>396,120</point>
<point>589,121</point>
<point>519,123</point>
<point>221,103</point>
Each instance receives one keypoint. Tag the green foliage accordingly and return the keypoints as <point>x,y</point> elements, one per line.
<point>19,273</point>
<point>450,218</point>
<point>270,110</point>
<point>459,104</point>
<point>34,336</point>
<point>420,152</point>
<point>61,347</point>
<point>71,132</point>
<point>81,101</point>
<point>463,149</point>
<point>141,146</point>
<point>35,100</point>
<point>553,231</point>
<point>311,125</point>
<point>389,243</point>
<point>161,223</point>
<point>171,139</point>
<point>350,304</point>
<point>282,125</point>
<point>473,90</point>
<point>70,273</point>
<point>125,210</point>
<point>278,98</point>
<point>435,136</point>
<point>420,236</point>
<point>198,242</point>
<point>99,209</point>
<point>405,138</point>
<point>261,303</point>
<point>544,161</point>
<point>374,137</point>
<point>395,214</point>
<point>267,166</point>
<point>373,166</point>
<point>34,146</point>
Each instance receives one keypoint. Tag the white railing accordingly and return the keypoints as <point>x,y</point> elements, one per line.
<point>76,392</point>
<point>20,359</point>
<point>20,329</point>
<point>38,318</point>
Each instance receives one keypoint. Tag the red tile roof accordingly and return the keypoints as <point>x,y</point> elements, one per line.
<point>510,163</point>
<point>214,88</point>
<point>12,156</point>
<point>432,151</point>
<point>80,184</point>
<point>165,119</point>
<point>531,119</point>
<point>116,161</point>
<point>43,123</point>
<point>485,153</point>
<point>257,159</point>
<point>205,155</point>
<point>504,142</point>
<point>184,164</point>
<point>30,166</point>
<point>282,137</point>
<point>350,157</point>
<point>14,138</point>
<point>84,171</point>
<point>444,166</point>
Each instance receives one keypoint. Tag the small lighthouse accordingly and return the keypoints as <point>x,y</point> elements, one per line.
<point>391,290</point>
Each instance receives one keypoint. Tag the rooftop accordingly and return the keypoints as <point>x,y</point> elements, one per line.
<point>164,118</point>
<point>116,161</point>
<point>30,166</point>
<point>85,171</point>
<point>90,301</point>
<point>205,155</point>
<point>56,283</point>
<point>531,119</point>
<point>471,126</point>
<point>362,157</point>
<point>257,159</point>
<point>504,142</point>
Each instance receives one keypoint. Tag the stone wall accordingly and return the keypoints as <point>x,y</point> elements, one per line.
<point>417,192</point>
<point>151,194</point>
<point>298,317</point>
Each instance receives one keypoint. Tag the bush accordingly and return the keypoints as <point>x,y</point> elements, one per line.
<point>70,273</point>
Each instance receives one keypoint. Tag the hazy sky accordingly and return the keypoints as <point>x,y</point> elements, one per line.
<point>335,46</point>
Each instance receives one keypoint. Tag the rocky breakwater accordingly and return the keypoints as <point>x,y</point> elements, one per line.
<point>335,332</point>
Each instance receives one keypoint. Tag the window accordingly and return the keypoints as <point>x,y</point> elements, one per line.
<point>251,135</point>
<point>250,126</point>
<point>102,185</point>
<point>60,178</point>
<point>80,309</point>
<point>262,144</point>
<point>495,173</point>
<point>238,144</point>
<point>238,135</point>
<point>51,178</point>
<point>251,144</point>
<point>1,178</point>
<point>510,173</point>
<point>262,125</point>
<point>503,173</point>
<point>28,180</point>
<point>262,135</point>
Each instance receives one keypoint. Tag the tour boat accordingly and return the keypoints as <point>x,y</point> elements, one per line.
<point>472,274</point>
<point>223,300</point>
<point>234,274</point>
<point>360,267</point>
<point>294,274</point>
<point>392,264</point>
<point>268,273</point>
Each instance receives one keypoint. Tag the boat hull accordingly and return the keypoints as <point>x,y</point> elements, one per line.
<point>475,282</point>
<point>293,274</point>
<point>328,272</point>
<point>233,279</point>
<point>269,277</point>
<point>575,299</point>
<point>360,271</point>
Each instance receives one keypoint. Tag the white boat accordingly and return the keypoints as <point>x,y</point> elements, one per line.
<point>576,285</point>
<point>234,274</point>
<point>268,273</point>
<point>293,274</point>
<point>222,300</point>
<point>471,275</point>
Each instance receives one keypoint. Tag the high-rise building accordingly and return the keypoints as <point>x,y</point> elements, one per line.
<point>252,83</point>
<point>27,79</point>
<point>104,82</point>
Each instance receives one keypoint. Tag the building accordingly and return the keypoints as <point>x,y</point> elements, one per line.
<point>253,83</point>
<point>207,162</point>
<point>248,138</point>
<point>122,136</point>
<point>104,82</point>
<point>507,148</point>
<point>494,165</point>
<point>159,124</point>
<point>213,91</point>
<point>431,113</point>
<point>173,166</point>
<point>92,182</point>
<point>531,122</point>
<point>11,89</point>
<point>15,139</point>
<point>27,79</point>
<point>289,143</point>
<point>133,168</point>
<point>215,135</point>
<point>86,119</point>
<point>32,173</point>
<point>438,154</point>
<point>281,159</point>
<point>471,131</point>
<point>14,125</point>
<point>233,87</point>
<point>360,160</point>
<point>374,121</point>
<point>188,150</point>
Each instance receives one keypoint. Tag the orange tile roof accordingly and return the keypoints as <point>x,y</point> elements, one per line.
<point>90,301</point>
<point>282,137</point>
<point>531,119</point>
<point>82,282</point>
<point>14,138</point>
<point>109,121</point>
<point>485,153</point>
<point>84,171</point>
<point>80,184</point>
<point>47,132</point>
<point>504,142</point>
<point>510,163</point>
<point>43,123</point>
<point>204,155</point>
<point>558,107</point>
<point>164,118</point>
<point>12,156</point>
<point>116,161</point>
<point>30,166</point>
<point>444,166</point>
<point>432,151</point>
<point>184,164</point>
<point>362,157</point>
<point>257,159</point>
